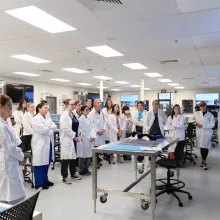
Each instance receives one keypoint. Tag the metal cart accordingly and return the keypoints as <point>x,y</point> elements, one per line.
<point>145,199</point>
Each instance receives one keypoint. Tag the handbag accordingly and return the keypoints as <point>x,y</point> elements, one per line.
<point>26,143</point>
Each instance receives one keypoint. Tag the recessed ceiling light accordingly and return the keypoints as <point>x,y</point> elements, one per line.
<point>135,66</point>
<point>84,84</point>
<point>116,90</point>
<point>102,77</point>
<point>60,80</point>
<point>134,86</point>
<point>153,74</point>
<point>173,84</point>
<point>37,17</point>
<point>26,74</point>
<point>102,87</point>
<point>165,80</point>
<point>213,77</point>
<point>121,82</point>
<point>179,87</point>
<point>105,51</point>
<point>30,58</point>
<point>75,70</point>
<point>147,89</point>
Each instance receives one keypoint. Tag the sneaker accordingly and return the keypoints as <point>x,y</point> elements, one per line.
<point>205,167</point>
<point>88,174</point>
<point>48,183</point>
<point>76,177</point>
<point>43,187</point>
<point>66,181</point>
<point>202,164</point>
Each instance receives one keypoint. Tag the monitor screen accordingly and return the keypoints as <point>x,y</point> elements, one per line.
<point>209,98</point>
<point>29,94</point>
<point>130,100</point>
<point>15,92</point>
<point>164,96</point>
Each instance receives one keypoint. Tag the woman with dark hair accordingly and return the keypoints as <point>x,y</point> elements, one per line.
<point>11,179</point>
<point>43,129</point>
<point>67,138</point>
<point>107,112</point>
<point>175,125</point>
<point>116,128</point>
<point>88,134</point>
<point>18,114</point>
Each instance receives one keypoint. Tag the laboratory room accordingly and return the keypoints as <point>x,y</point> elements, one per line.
<point>109,109</point>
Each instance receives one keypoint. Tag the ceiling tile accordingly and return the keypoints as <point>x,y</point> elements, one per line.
<point>197,5</point>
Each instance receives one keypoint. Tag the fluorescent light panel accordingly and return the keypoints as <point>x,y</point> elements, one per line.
<point>136,86</point>
<point>116,90</point>
<point>105,51</point>
<point>84,84</point>
<point>102,87</point>
<point>121,82</point>
<point>179,87</point>
<point>135,66</point>
<point>60,80</point>
<point>26,74</point>
<point>75,70</point>
<point>102,77</point>
<point>147,89</point>
<point>173,84</point>
<point>165,80</point>
<point>38,18</point>
<point>29,58</point>
<point>153,74</point>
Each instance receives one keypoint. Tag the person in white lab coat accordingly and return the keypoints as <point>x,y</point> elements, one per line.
<point>88,135</point>
<point>18,114</point>
<point>89,104</point>
<point>156,119</point>
<point>26,119</point>
<point>139,117</point>
<point>107,112</point>
<point>204,122</point>
<point>77,110</point>
<point>11,179</point>
<point>175,125</point>
<point>117,128</point>
<point>43,130</point>
<point>48,112</point>
<point>67,137</point>
<point>98,119</point>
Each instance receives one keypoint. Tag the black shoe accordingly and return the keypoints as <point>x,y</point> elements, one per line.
<point>48,183</point>
<point>88,173</point>
<point>98,167</point>
<point>43,187</point>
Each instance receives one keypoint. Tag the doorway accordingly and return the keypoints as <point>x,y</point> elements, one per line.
<point>52,103</point>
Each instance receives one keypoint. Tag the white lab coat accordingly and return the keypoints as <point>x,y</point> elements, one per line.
<point>43,130</point>
<point>99,124</point>
<point>204,134</point>
<point>139,122</point>
<point>87,130</point>
<point>67,135</point>
<point>11,178</point>
<point>162,118</point>
<point>106,116</point>
<point>26,122</point>
<point>18,114</point>
<point>113,127</point>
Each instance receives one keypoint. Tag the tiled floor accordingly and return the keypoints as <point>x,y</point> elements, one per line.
<point>74,201</point>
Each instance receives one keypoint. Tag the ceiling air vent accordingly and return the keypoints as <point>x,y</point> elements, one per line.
<point>168,61</point>
<point>188,78</point>
<point>111,1</point>
<point>46,71</point>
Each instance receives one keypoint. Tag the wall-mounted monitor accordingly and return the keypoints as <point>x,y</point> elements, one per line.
<point>164,96</point>
<point>130,100</point>
<point>18,91</point>
<point>209,98</point>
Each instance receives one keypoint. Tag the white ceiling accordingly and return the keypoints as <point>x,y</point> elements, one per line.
<point>145,31</point>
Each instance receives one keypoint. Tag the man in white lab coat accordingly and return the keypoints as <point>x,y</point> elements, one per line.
<point>98,120</point>
<point>156,119</point>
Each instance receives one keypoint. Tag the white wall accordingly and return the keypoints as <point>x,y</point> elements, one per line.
<point>41,88</point>
<point>177,97</point>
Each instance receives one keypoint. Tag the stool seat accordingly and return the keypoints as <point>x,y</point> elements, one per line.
<point>167,163</point>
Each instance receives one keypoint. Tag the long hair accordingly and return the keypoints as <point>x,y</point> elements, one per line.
<point>39,106</point>
<point>118,109</point>
<point>173,113</point>
<point>19,108</point>
<point>106,103</point>
<point>125,108</point>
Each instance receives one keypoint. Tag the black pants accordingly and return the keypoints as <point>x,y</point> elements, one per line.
<point>204,153</point>
<point>71,164</point>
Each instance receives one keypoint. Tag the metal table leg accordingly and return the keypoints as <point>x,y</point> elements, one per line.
<point>135,166</point>
<point>153,186</point>
<point>94,178</point>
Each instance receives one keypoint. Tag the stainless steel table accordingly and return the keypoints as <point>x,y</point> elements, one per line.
<point>145,199</point>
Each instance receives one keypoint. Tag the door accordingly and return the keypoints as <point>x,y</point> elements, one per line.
<point>52,103</point>
<point>165,105</point>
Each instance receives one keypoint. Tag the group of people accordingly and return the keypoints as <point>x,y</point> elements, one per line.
<point>81,129</point>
